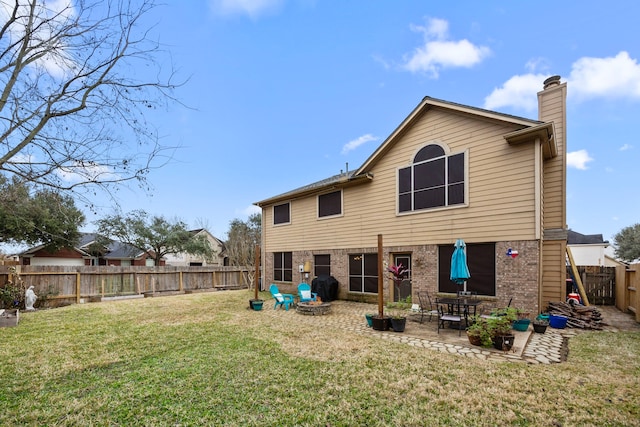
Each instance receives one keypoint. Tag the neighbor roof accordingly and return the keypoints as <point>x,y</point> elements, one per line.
<point>575,238</point>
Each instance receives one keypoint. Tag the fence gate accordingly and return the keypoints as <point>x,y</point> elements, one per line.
<point>599,284</point>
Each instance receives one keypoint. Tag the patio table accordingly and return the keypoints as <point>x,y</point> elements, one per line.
<point>465,304</point>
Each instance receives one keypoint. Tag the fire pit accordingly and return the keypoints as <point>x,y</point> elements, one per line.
<point>313,308</point>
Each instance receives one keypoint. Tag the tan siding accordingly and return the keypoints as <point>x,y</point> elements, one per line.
<point>500,185</point>
<point>552,107</point>
<point>553,272</point>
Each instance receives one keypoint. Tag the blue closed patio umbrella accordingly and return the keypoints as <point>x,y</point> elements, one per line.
<point>459,270</point>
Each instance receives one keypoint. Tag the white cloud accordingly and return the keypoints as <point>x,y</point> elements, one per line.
<point>77,172</point>
<point>626,147</point>
<point>612,77</point>
<point>578,159</point>
<point>253,8</point>
<point>353,144</point>
<point>518,92</point>
<point>250,210</point>
<point>47,20</point>
<point>438,52</point>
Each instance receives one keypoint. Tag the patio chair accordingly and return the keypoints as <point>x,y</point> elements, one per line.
<point>282,300</point>
<point>305,294</point>
<point>426,306</point>
<point>445,316</point>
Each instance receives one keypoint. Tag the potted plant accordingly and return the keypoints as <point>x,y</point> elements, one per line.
<point>398,322</point>
<point>380,323</point>
<point>540,325</point>
<point>398,317</point>
<point>398,274</point>
<point>478,332</point>
<point>522,321</point>
<point>369,317</point>
<point>500,331</point>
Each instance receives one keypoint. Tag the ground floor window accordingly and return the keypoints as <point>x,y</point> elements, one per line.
<point>322,265</point>
<point>282,267</point>
<point>481,260</point>
<point>363,273</point>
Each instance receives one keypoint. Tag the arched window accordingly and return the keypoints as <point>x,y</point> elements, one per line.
<point>433,180</point>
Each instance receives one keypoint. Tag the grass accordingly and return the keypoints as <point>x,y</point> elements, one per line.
<point>204,359</point>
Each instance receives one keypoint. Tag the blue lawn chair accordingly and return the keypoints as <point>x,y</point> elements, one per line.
<point>305,294</point>
<point>282,300</point>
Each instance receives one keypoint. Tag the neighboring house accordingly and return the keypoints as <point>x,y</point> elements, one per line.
<point>587,249</point>
<point>184,259</point>
<point>449,171</point>
<point>87,253</point>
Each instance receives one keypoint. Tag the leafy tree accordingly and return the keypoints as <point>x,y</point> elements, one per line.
<point>627,243</point>
<point>37,217</point>
<point>72,114</point>
<point>242,239</point>
<point>155,234</point>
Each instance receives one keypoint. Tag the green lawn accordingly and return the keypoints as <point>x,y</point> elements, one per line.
<point>204,359</point>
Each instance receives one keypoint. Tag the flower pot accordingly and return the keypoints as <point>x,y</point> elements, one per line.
<point>503,342</point>
<point>474,339</point>
<point>540,327</point>
<point>398,324</point>
<point>380,323</point>
<point>9,318</point>
<point>368,316</point>
<point>558,322</point>
<point>256,304</point>
<point>521,325</point>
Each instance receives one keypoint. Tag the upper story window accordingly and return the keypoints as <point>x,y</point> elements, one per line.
<point>282,214</point>
<point>330,204</point>
<point>434,179</point>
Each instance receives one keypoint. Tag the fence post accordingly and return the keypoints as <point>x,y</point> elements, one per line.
<point>78,288</point>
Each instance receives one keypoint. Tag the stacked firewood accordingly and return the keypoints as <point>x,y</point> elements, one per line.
<point>578,316</point>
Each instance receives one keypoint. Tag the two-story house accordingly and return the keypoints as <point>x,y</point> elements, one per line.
<point>447,172</point>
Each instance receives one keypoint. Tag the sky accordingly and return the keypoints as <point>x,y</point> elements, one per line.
<point>283,93</point>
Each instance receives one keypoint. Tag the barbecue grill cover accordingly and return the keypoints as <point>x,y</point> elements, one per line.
<point>326,287</point>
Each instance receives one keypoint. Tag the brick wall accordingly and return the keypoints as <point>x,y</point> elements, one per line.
<point>516,278</point>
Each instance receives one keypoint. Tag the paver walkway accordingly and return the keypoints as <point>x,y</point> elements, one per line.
<point>529,347</point>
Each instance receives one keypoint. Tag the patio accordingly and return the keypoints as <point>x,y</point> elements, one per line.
<point>351,316</point>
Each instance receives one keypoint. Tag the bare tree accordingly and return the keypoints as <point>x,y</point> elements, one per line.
<point>74,93</point>
<point>242,239</point>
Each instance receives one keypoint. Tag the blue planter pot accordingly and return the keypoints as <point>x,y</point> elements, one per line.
<point>256,304</point>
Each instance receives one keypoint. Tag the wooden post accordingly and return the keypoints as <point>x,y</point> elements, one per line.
<point>180,283</point>
<point>257,271</point>
<point>380,279</point>
<point>78,288</point>
<point>102,288</point>
<point>574,269</point>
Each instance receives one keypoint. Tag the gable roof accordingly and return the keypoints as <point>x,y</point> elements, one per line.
<point>530,130</point>
<point>337,181</point>
<point>431,103</point>
<point>115,250</point>
<point>575,238</point>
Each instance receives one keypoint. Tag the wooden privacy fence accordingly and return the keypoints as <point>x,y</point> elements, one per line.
<point>61,285</point>
<point>628,287</point>
<point>599,284</point>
